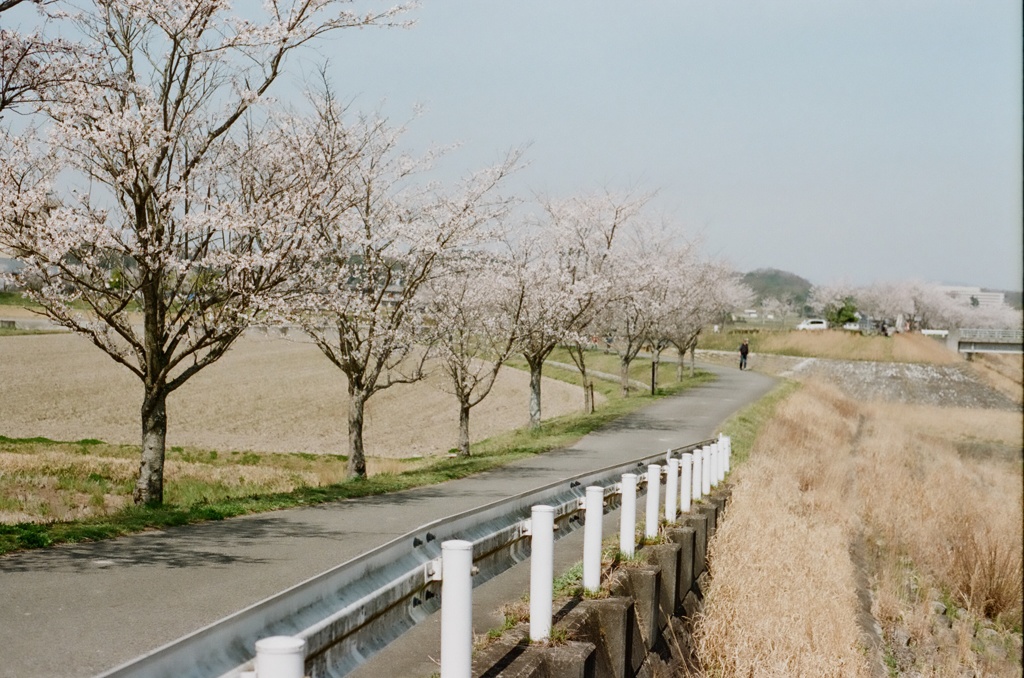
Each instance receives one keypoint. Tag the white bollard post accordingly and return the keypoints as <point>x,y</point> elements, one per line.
<point>705,470</point>
<point>653,500</point>
<point>714,464</point>
<point>456,609</point>
<point>671,490</point>
<point>280,657</point>
<point>627,516</point>
<point>686,484</point>
<point>698,461</point>
<point>728,453</point>
<point>592,539</point>
<point>721,461</point>
<point>542,570</point>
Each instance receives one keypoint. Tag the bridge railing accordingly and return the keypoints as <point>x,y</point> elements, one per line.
<point>992,335</point>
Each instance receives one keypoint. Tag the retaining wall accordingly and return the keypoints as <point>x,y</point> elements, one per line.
<point>641,630</point>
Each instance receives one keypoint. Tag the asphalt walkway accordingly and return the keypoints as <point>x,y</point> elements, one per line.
<point>81,609</point>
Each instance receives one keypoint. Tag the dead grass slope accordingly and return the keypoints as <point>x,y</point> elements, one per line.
<point>840,345</point>
<point>1005,373</point>
<point>932,497</point>
<point>267,395</point>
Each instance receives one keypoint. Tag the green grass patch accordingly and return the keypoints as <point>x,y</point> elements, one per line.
<point>9,332</point>
<point>608,363</point>
<point>39,440</point>
<point>570,583</point>
<point>16,299</point>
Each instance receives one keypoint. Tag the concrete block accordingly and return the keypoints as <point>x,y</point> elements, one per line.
<point>643,585</point>
<point>612,630</point>
<point>502,653</point>
<point>529,664</point>
<point>679,639</point>
<point>666,557</point>
<point>685,537</point>
<point>711,512</point>
<point>575,622</point>
<point>692,604</point>
<point>719,501</point>
<point>575,659</point>
<point>699,523</point>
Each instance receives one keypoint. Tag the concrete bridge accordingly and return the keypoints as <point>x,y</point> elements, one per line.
<point>971,341</point>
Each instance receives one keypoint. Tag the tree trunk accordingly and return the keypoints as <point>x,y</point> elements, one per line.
<point>580,358</point>
<point>463,429</point>
<point>356,459</point>
<point>149,489</point>
<point>693,359</point>
<point>655,363</point>
<point>624,376</point>
<point>680,363</point>
<point>535,374</point>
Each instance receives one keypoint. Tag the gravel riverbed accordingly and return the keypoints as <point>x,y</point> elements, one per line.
<point>941,385</point>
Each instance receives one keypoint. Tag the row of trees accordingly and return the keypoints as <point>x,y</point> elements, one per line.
<point>926,305</point>
<point>161,203</point>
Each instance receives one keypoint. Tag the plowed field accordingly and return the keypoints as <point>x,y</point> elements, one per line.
<point>270,395</point>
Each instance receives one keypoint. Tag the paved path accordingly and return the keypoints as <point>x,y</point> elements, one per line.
<point>81,609</point>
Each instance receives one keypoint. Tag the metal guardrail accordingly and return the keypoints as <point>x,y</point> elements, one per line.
<point>993,335</point>
<point>985,340</point>
<point>352,611</point>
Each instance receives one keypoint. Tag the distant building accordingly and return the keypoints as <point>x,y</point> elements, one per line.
<point>973,296</point>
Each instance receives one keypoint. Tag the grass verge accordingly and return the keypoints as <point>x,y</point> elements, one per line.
<point>206,485</point>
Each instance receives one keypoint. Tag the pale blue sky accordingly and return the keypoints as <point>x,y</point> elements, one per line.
<point>854,140</point>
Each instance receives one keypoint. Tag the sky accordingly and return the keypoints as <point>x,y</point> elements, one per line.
<point>843,140</point>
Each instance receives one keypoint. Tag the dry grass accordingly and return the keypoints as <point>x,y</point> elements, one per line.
<point>933,494</point>
<point>840,345</point>
<point>44,482</point>
<point>957,517</point>
<point>264,395</point>
<point>776,607</point>
<point>843,345</point>
<point>1005,373</point>
<point>944,527</point>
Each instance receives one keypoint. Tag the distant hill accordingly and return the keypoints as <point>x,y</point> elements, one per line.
<point>771,283</point>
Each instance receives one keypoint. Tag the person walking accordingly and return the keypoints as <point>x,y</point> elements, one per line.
<point>744,351</point>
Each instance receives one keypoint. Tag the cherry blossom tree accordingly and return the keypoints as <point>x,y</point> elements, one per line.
<point>31,64</point>
<point>835,301</point>
<point>642,275</point>
<point>675,300</point>
<point>886,300</point>
<point>384,234</point>
<point>708,291</point>
<point>929,306</point>
<point>473,313</point>
<point>559,266</point>
<point>174,222</point>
